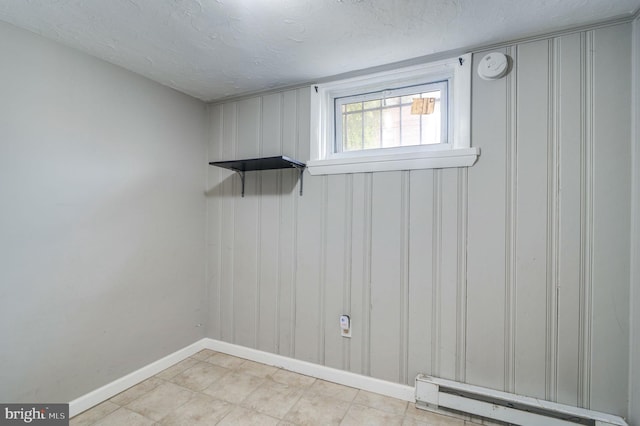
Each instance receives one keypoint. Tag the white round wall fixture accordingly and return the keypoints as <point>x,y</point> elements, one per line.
<point>493,66</point>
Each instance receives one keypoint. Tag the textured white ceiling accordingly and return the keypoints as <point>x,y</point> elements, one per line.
<point>213,49</point>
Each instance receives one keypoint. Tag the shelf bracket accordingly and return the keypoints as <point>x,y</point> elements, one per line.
<point>298,168</point>
<point>301,170</point>
<point>241,173</point>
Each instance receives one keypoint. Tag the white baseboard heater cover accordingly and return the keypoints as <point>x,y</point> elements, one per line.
<point>433,392</point>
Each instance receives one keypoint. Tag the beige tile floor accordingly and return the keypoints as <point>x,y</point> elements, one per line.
<point>212,388</point>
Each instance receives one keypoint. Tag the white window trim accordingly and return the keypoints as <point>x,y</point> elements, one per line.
<point>458,152</point>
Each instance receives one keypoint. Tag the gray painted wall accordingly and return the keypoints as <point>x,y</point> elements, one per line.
<point>634,373</point>
<point>512,274</point>
<point>102,220</point>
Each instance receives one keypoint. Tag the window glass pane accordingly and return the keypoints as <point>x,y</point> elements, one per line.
<point>352,132</point>
<point>356,106</point>
<point>372,129</point>
<point>407,100</point>
<point>381,120</point>
<point>430,130</point>
<point>390,127</point>
<point>435,94</point>
<point>431,126</point>
<point>431,123</point>
<point>410,126</point>
<point>391,101</point>
<point>372,104</point>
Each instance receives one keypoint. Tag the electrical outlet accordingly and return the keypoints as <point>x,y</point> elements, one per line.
<point>345,326</point>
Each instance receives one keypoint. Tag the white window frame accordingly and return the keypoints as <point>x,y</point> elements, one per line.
<point>456,152</point>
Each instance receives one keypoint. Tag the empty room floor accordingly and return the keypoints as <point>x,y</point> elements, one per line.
<point>212,388</point>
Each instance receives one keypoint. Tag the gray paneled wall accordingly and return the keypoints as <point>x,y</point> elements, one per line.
<point>512,274</point>
<point>634,373</point>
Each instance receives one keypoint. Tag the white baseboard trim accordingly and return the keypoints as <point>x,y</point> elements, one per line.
<point>371,384</point>
<point>109,390</point>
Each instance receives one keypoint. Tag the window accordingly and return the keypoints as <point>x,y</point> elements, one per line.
<point>411,118</point>
<point>391,118</point>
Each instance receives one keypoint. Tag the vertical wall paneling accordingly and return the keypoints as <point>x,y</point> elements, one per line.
<point>269,252</point>
<point>367,245</point>
<point>486,255</point>
<point>552,221</point>
<point>248,127</point>
<point>304,208</point>
<point>511,210</point>
<point>288,214</point>
<point>246,236</point>
<point>215,177</point>
<point>304,101</point>
<point>611,134</point>
<point>358,256</point>
<point>347,264</point>
<point>356,278</point>
<point>271,125</point>
<point>308,252</point>
<point>586,217</point>
<point>259,236</point>
<point>335,259</point>
<point>420,284</point>
<point>229,114</point>
<point>436,267</point>
<point>405,221</point>
<point>324,212</point>
<point>448,272</point>
<point>569,178</point>
<point>461,276</point>
<point>385,275</point>
<point>531,226</point>
<point>634,373</point>
<point>511,274</point>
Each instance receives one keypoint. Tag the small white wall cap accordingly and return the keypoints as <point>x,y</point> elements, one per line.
<point>493,66</point>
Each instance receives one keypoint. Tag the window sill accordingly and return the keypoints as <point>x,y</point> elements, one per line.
<point>462,157</point>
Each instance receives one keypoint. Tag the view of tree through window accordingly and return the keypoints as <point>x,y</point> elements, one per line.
<point>388,122</point>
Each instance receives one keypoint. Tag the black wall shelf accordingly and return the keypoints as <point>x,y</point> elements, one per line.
<point>266,163</point>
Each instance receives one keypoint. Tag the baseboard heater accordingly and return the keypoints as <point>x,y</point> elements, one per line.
<point>436,393</point>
